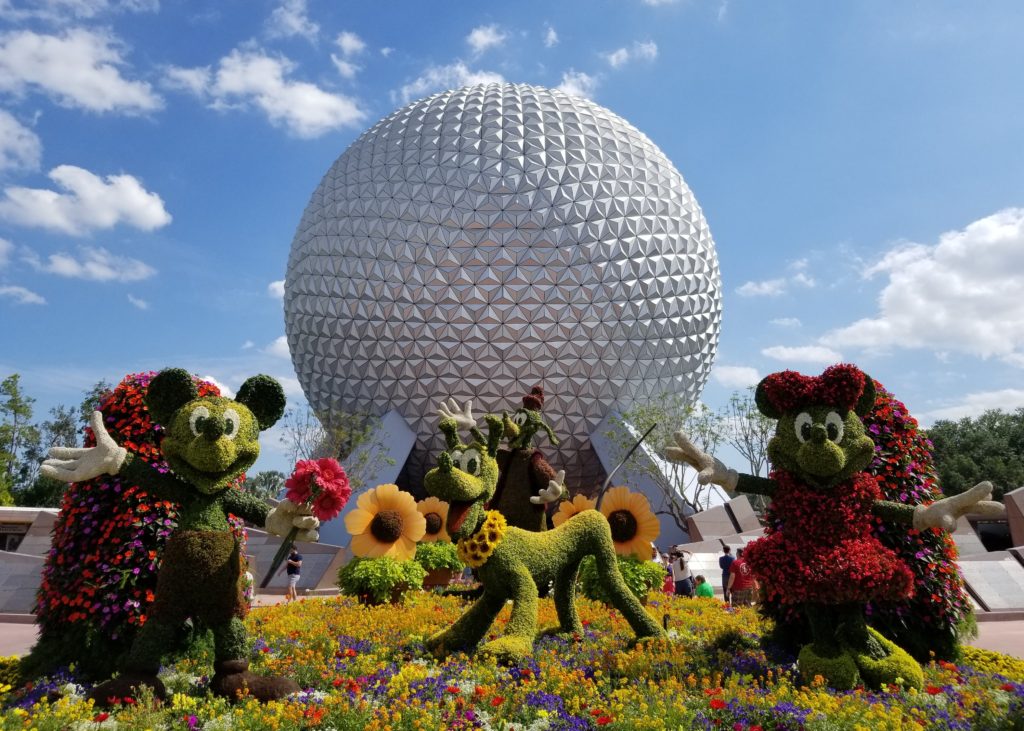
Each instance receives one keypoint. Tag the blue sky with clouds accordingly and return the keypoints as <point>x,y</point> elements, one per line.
<point>860,164</point>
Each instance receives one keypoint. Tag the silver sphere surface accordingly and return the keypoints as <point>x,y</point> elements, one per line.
<point>485,240</point>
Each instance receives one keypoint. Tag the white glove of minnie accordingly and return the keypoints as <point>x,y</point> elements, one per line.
<point>709,469</point>
<point>288,515</point>
<point>946,512</point>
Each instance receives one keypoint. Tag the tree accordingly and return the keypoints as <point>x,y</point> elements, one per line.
<point>989,447</point>
<point>17,433</point>
<point>60,430</point>
<point>266,485</point>
<point>92,399</point>
<point>677,483</point>
<point>744,428</point>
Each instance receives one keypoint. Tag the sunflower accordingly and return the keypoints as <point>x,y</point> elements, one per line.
<point>568,509</point>
<point>633,524</point>
<point>385,523</point>
<point>435,512</point>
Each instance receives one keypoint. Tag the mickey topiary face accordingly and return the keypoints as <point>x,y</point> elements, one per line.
<point>209,442</point>
<point>819,436</point>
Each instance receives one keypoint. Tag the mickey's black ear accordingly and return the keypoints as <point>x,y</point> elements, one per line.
<point>169,390</point>
<point>866,402</point>
<point>264,397</point>
<point>764,404</point>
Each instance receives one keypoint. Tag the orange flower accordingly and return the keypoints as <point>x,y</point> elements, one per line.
<point>567,509</point>
<point>435,512</point>
<point>634,526</point>
<point>385,523</point>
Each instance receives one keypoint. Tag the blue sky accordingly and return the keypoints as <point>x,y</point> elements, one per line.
<point>861,167</point>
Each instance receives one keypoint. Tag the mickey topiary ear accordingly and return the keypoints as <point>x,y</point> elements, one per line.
<point>764,403</point>
<point>264,397</point>
<point>169,390</point>
<point>866,402</point>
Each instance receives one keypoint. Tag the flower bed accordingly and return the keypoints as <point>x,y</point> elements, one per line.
<point>363,667</point>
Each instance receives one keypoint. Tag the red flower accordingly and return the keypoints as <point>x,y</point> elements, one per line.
<point>300,484</point>
<point>932,690</point>
<point>101,717</point>
<point>453,689</point>
<point>497,700</point>
<point>604,720</point>
<point>718,704</point>
<point>349,652</point>
<point>327,505</point>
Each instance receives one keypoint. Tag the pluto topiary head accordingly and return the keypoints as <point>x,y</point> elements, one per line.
<point>466,475</point>
<point>819,436</point>
<point>210,441</point>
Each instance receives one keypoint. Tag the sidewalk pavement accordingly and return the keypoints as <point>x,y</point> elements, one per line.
<point>17,638</point>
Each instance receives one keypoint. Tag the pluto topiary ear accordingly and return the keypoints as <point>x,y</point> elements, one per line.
<point>169,390</point>
<point>264,397</point>
<point>866,402</point>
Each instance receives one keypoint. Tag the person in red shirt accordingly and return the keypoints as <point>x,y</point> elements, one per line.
<point>742,586</point>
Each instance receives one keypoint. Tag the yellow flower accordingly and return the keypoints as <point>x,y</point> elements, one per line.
<point>634,526</point>
<point>568,509</point>
<point>436,514</point>
<point>475,550</point>
<point>385,523</point>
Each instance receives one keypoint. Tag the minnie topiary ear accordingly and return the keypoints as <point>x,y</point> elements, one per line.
<point>866,402</point>
<point>169,390</point>
<point>264,397</point>
<point>764,403</point>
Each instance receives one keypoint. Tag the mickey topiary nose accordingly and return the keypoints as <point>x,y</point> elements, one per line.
<point>819,433</point>
<point>213,427</point>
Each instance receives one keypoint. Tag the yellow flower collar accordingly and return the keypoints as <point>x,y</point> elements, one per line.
<point>475,550</point>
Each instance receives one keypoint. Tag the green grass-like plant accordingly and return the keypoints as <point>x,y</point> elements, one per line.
<point>641,577</point>
<point>379,580</point>
<point>438,555</point>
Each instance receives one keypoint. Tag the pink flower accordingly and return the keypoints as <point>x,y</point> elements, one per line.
<point>300,484</point>
<point>332,477</point>
<point>328,504</point>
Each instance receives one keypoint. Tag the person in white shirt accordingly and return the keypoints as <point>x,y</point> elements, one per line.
<point>681,574</point>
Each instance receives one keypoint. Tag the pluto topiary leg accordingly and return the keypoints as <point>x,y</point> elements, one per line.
<point>565,600</point>
<point>517,642</point>
<point>467,631</point>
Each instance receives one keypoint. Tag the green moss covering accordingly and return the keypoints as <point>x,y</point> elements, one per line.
<point>380,580</point>
<point>837,669</point>
<point>897,667</point>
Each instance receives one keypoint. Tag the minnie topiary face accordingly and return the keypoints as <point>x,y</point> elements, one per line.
<point>819,436</point>
<point>210,441</point>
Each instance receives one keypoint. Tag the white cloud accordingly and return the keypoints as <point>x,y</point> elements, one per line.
<point>279,348</point>
<point>735,376</point>
<point>96,264</point>
<point>276,289</point>
<point>6,249</point>
<point>350,44</point>
<point>20,148</point>
<point>786,322</point>
<point>345,68</point>
<point>962,294</point>
<point>222,387</point>
<point>441,78</point>
<point>87,203</point>
<point>248,344</point>
<point>550,36</point>
<point>976,404</point>
<point>251,77</point>
<point>290,19</point>
<point>61,11</point>
<point>291,386</point>
<point>767,288</point>
<point>21,296</point>
<point>640,51</point>
<point>80,68</point>
<point>138,302</point>
<point>804,354</point>
<point>656,3</point>
<point>195,80</point>
<point>577,83</point>
<point>386,51</point>
<point>485,37</point>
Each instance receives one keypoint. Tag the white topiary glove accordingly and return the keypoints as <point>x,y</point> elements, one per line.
<point>72,464</point>
<point>946,512</point>
<point>464,419</point>
<point>288,515</point>
<point>709,469</point>
<point>551,493</point>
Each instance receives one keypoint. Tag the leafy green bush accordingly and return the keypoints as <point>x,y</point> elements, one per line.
<point>438,555</point>
<point>640,576</point>
<point>378,580</point>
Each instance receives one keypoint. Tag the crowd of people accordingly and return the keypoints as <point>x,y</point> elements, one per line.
<point>739,587</point>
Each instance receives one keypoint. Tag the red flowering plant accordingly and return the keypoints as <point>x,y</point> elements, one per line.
<point>320,485</point>
<point>99,576</point>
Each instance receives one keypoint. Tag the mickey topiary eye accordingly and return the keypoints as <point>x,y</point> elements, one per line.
<point>196,418</point>
<point>470,462</point>
<point>231,423</point>
<point>834,427</point>
<point>802,426</point>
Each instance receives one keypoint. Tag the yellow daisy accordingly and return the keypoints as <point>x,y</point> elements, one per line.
<point>435,512</point>
<point>385,523</point>
<point>568,509</point>
<point>633,524</point>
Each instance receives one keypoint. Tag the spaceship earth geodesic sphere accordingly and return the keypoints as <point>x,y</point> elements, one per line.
<point>484,240</point>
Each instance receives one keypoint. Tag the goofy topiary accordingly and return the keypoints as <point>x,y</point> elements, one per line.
<point>209,442</point>
<point>512,562</point>
<point>818,549</point>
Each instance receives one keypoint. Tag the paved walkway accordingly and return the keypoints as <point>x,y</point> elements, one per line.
<point>1005,637</point>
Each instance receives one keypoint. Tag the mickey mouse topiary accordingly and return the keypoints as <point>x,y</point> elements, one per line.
<point>208,442</point>
<point>818,550</point>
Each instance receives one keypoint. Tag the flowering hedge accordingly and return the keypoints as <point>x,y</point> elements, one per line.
<point>364,668</point>
<point>100,573</point>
